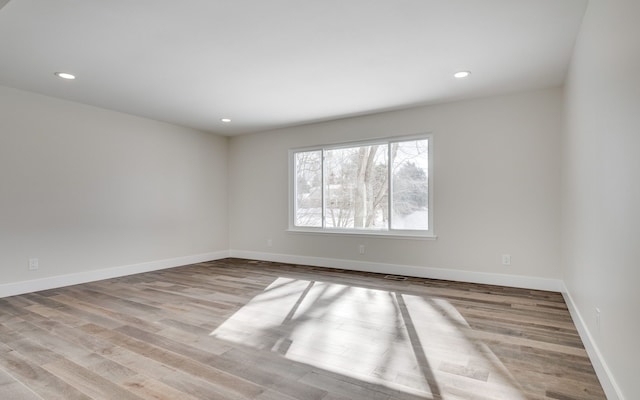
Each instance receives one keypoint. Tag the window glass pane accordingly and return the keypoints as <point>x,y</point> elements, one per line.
<point>308,188</point>
<point>410,185</point>
<point>356,187</point>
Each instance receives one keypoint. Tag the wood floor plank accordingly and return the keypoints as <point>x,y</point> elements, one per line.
<point>96,386</point>
<point>149,369</point>
<point>151,389</point>
<point>40,381</point>
<point>11,388</point>
<point>241,329</point>
<point>227,384</point>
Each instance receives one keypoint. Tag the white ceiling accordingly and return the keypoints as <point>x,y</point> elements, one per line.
<point>272,63</point>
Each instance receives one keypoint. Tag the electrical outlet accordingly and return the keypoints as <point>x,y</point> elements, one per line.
<point>506,259</point>
<point>269,242</point>
<point>598,319</point>
<point>361,249</point>
<point>33,264</point>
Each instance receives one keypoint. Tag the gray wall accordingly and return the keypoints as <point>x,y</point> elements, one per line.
<point>601,185</point>
<point>497,187</point>
<point>83,188</point>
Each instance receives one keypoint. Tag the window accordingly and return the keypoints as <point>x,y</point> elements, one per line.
<point>377,187</point>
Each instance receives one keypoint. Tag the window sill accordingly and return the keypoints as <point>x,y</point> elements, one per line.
<point>358,233</point>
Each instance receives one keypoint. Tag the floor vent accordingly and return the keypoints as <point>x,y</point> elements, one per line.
<point>395,277</point>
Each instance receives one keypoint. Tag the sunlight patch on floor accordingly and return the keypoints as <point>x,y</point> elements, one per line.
<point>406,342</point>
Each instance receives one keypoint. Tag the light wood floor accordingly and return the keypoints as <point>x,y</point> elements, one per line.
<point>238,329</point>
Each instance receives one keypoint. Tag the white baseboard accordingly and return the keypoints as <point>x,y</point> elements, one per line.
<point>526,282</point>
<point>609,385</point>
<point>12,289</point>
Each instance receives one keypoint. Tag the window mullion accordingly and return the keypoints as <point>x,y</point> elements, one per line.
<point>324,209</point>
<point>389,186</point>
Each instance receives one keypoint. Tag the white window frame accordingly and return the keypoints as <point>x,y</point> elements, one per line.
<point>390,232</point>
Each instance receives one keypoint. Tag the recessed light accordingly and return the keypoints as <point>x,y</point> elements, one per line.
<point>462,74</point>
<point>225,120</point>
<point>65,75</point>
